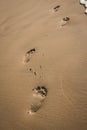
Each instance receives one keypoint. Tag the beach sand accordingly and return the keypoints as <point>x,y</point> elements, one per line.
<point>59,63</point>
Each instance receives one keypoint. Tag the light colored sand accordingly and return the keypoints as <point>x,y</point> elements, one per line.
<point>62,55</point>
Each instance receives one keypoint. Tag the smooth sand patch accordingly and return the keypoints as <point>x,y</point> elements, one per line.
<point>59,63</point>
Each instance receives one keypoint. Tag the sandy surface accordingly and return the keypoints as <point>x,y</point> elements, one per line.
<point>60,63</point>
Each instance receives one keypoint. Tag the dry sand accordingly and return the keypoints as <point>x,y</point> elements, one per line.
<point>60,63</point>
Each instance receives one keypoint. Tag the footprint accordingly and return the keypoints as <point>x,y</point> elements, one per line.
<point>39,95</point>
<point>28,55</point>
<point>55,9</point>
<point>65,21</point>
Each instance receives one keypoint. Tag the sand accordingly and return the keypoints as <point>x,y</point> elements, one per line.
<point>59,63</point>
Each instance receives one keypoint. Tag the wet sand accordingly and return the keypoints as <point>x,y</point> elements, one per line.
<point>59,63</point>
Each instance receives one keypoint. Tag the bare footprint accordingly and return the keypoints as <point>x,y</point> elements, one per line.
<point>39,95</point>
<point>65,21</point>
<point>56,8</point>
<point>28,55</point>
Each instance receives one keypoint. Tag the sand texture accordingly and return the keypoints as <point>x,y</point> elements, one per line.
<point>39,47</point>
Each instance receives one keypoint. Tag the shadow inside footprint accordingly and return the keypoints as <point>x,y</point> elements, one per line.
<point>40,90</point>
<point>39,93</point>
<point>31,51</point>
